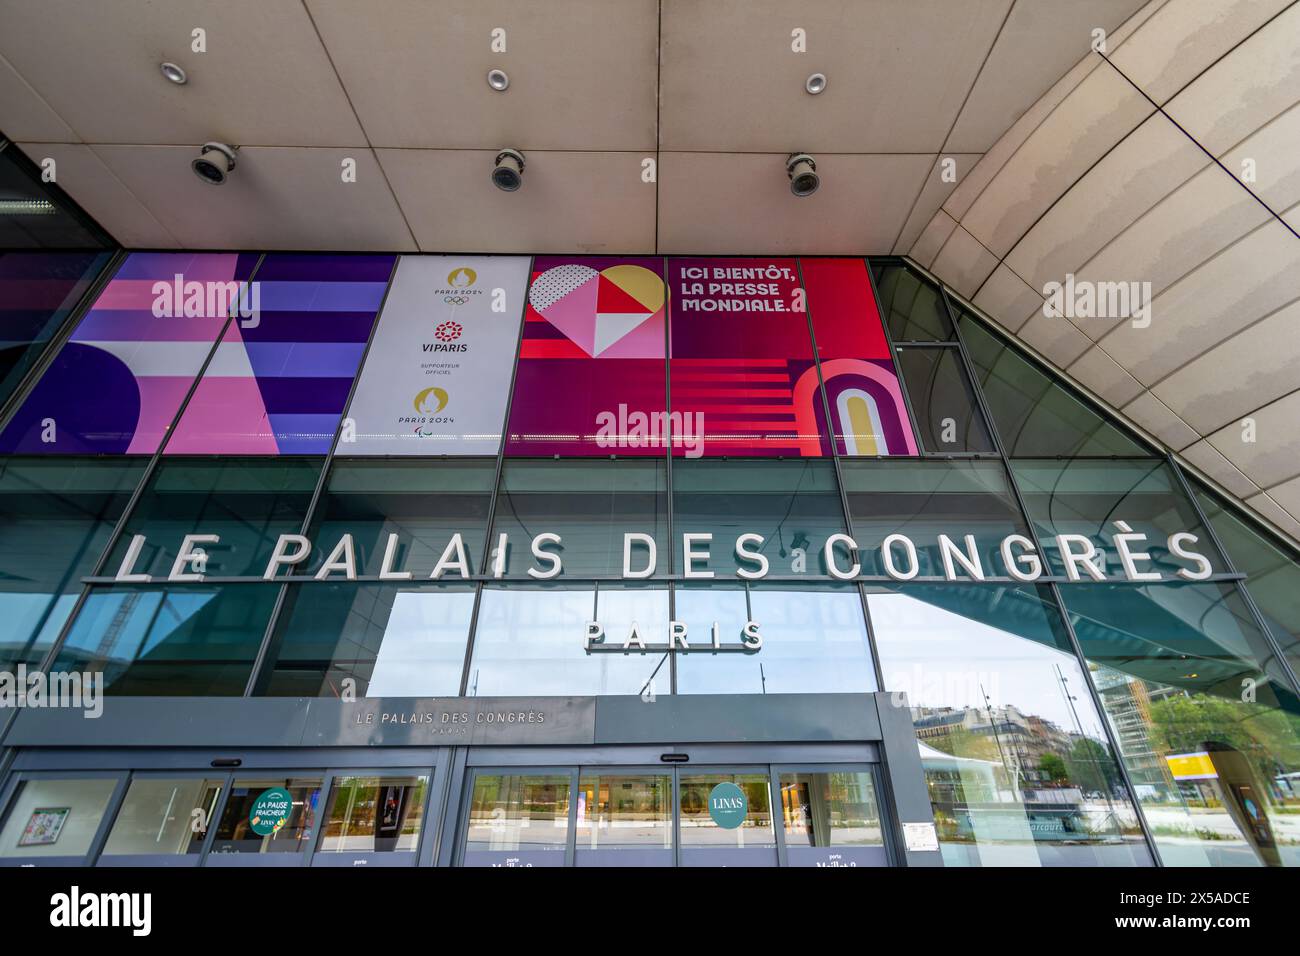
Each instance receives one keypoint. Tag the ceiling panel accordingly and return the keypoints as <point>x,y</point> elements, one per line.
<point>1040,41</point>
<point>582,73</point>
<point>24,115</point>
<point>742,204</point>
<point>264,79</point>
<point>279,198</point>
<point>897,73</point>
<point>934,191</point>
<point>569,202</point>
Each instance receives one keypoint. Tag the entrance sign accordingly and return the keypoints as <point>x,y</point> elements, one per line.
<point>270,811</point>
<point>728,806</point>
<point>438,373</point>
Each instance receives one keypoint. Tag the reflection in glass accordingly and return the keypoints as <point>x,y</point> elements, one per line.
<point>911,305</point>
<point>794,505</point>
<point>158,816</point>
<point>518,820</point>
<point>625,819</point>
<point>590,505</point>
<point>706,843</point>
<point>942,400</point>
<point>831,809</point>
<point>814,640</point>
<point>1272,568</point>
<point>1205,724</point>
<point>1092,498</point>
<point>1035,416</point>
<point>1015,757</point>
<point>235,831</point>
<point>424,502</point>
<point>248,502</point>
<point>531,640</point>
<point>391,641</point>
<point>924,499</point>
<point>55,817</point>
<point>190,640</point>
<point>56,516</point>
<point>374,814</point>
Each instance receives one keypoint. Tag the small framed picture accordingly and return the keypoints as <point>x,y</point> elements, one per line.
<point>44,825</point>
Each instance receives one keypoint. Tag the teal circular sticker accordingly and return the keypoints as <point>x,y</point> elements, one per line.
<point>728,806</point>
<point>270,811</point>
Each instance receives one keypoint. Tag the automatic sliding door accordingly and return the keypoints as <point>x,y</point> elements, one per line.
<point>726,818</point>
<point>518,819</point>
<point>831,818</point>
<point>625,818</point>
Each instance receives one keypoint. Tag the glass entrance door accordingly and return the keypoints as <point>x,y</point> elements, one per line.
<point>732,815</point>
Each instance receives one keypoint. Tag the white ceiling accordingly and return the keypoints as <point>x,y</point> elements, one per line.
<point>1063,164</point>
<point>1096,181</point>
<point>709,89</point>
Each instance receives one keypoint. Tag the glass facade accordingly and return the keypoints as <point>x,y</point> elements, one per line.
<point>693,477</point>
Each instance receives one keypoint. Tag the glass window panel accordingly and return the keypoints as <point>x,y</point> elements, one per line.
<point>1034,415</point>
<point>924,499</point>
<point>55,817</point>
<point>374,814</point>
<point>518,820</point>
<point>912,305</point>
<point>424,502</point>
<point>943,401</point>
<point>192,640</point>
<point>743,373</point>
<point>48,220</point>
<point>38,292</point>
<point>625,819</point>
<point>1272,568</point>
<point>794,505</point>
<point>814,640</point>
<point>56,516</point>
<point>832,819</point>
<point>437,374</point>
<point>1015,757</point>
<point>281,374</point>
<point>1092,497</point>
<point>531,640</point>
<point>389,641</point>
<point>235,832</point>
<point>591,378</point>
<point>1206,726</point>
<point>158,816</point>
<point>868,414</point>
<point>247,502</point>
<point>705,842</point>
<point>116,385</point>
<point>590,505</point>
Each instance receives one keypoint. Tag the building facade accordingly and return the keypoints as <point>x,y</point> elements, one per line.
<point>497,560</point>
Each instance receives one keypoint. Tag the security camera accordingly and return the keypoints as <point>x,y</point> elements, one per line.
<point>508,170</point>
<point>215,162</point>
<point>802,170</point>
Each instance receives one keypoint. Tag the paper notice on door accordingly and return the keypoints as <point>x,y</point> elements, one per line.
<point>920,836</point>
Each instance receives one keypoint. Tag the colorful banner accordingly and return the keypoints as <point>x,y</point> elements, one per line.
<point>282,373</point>
<point>438,372</point>
<point>744,381</point>
<point>116,385</point>
<point>591,378</point>
<point>868,414</point>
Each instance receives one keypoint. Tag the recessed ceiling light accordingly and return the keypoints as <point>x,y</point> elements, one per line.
<point>815,83</point>
<point>174,73</point>
<point>498,80</point>
<point>26,207</point>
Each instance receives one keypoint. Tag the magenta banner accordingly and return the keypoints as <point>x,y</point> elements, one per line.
<point>867,411</point>
<point>742,367</point>
<point>590,379</point>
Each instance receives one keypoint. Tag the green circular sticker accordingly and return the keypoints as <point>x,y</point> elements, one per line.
<point>728,806</point>
<point>270,811</point>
